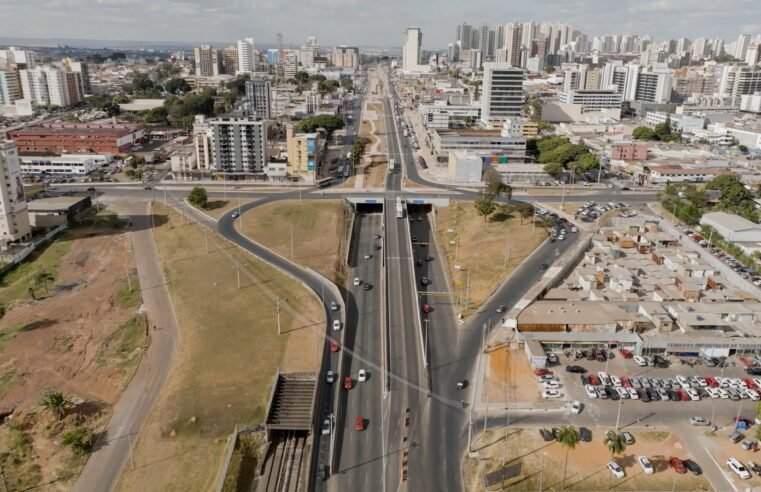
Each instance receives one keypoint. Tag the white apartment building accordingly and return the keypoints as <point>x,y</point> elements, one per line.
<point>58,87</point>
<point>246,55</point>
<point>10,86</point>
<point>592,100</point>
<point>34,85</point>
<point>678,122</point>
<point>413,40</point>
<point>653,87</point>
<point>345,56</point>
<point>202,142</point>
<point>239,145</point>
<point>502,92</point>
<point>14,215</point>
<point>15,56</point>
<point>748,103</point>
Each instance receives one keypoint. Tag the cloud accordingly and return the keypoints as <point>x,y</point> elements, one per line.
<point>362,22</point>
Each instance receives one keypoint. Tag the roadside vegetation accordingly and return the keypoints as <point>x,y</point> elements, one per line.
<point>661,133</point>
<point>559,155</point>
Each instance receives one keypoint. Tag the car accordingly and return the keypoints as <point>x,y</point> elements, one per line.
<point>334,346</point>
<point>713,392</point>
<point>683,381</point>
<point>546,435</point>
<point>622,393</point>
<point>754,371</point>
<point>699,421</point>
<point>576,407</point>
<point>736,437</point>
<point>693,394</point>
<point>736,466</point>
<point>333,306</point>
<point>368,256</point>
<point>148,188</point>
<point>359,424</point>
<point>633,393</point>
<point>601,393</point>
<point>551,393</point>
<point>723,394</point>
<point>755,467</point>
<point>550,385</point>
<point>616,381</point>
<point>663,394</point>
<point>616,470</point>
<point>356,281</point>
<point>426,308</point>
<point>749,444</point>
<point>414,238</point>
<point>462,384</point>
<point>347,382</point>
<point>376,247</point>
<point>643,395</point>
<point>628,437</point>
<point>640,361</point>
<point>604,379</point>
<point>594,380</point>
<point>336,325</point>
<point>362,376</point>
<point>677,465</point>
<point>419,218</point>
<point>647,467</point>
<point>428,258</point>
<point>693,467</point>
<point>326,427</point>
<point>367,286</point>
<point>501,309</point>
<point>585,434</point>
<point>235,215</point>
<point>552,358</point>
<point>330,377</point>
<point>575,369</point>
<point>591,392</point>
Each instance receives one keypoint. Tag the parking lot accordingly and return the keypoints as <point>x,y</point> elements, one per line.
<point>591,211</point>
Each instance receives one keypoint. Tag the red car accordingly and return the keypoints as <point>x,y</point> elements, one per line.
<point>426,308</point>
<point>594,380</point>
<point>625,382</point>
<point>347,383</point>
<point>419,263</point>
<point>359,424</point>
<point>626,354</point>
<point>746,362</point>
<point>749,382</point>
<point>334,346</point>
<point>542,372</point>
<point>712,382</point>
<point>677,465</point>
<point>683,395</point>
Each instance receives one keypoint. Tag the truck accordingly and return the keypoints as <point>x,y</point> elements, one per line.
<point>406,133</point>
<point>391,166</point>
<point>399,209</point>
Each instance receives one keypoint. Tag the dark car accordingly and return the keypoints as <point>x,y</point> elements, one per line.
<point>428,258</point>
<point>424,281</point>
<point>600,356</point>
<point>660,362</point>
<point>591,354</point>
<point>754,371</point>
<point>643,395</point>
<point>419,263</point>
<point>367,286</point>
<point>555,432</point>
<point>575,369</point>
<point>584,379</point>
<point>653,394</point>
<point>585,434</point>
<point>612,394</point>
<point>673,395</point>
<point>693,467</point>
<point>546,435</point>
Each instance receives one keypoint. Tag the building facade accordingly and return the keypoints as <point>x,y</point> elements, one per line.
<point>246,56</point>
<point>239,145</point>
<point>413,40</point>
<point>304,153</point>
<point>502,93</point>
<point>480,142</point>
<point>84,138</point>
<point>14,215</point>
<point>259,99</point>
<point>10,85</point>
<point>592,100</point>
<point>66,165</point>
<point>345,56</point>
<point>208,61</point>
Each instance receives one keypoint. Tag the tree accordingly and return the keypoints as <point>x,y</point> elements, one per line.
<point>553,168</point>
<point>525,210</point>
<point>742,148</point>
<point>112,109</point>
<point>198,197</point>
<point>485,206</point>
<point>329,122</point>
<point>177,85</point>
<point>615,442</point>
<point>568,437</point>
<point>643,133</point>
<point>347,83</point>
<point>495,185</point>
<point>156,115</point>
<point>120,99</point>
<point>80,439</point>
<point>56,402</point>
<point>549,68</point>
<point>238,84</point>
<point>141,82</point>
<point>301,78</point>
<point>42,278</point>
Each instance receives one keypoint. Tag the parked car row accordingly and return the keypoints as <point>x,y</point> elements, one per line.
<point>591,211</point>
<point>747,273</point>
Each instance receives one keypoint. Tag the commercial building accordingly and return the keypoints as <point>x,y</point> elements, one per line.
<point>750,104</point>
<point>653,87</point>
<point>413,40</point>
<point>304,152</point>
<point>82,69</point>
<point>747,81</point>
<point>345,56</point>
<point>445,115</point>
<point>246,56</point>
<point>522,173</point>
<point>678,122</point>
<point>629,152</point>
<point>208,61</point>
<point>733,227</point>
<point>259,99</point>
<point>658,173</point>
<point>480,142</point>
<point>239,145</point>
<point>60,138</point>
<point>465,167</point>
<point>14,215</point>
<point>51,212</point>
<point>502,93</point>
<point>592,100</point>
<point>66,165</point>
<point>49,85</point>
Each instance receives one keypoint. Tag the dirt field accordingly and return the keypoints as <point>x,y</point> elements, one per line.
<point>376,164</point>
<point>480,248</point>
<point>506,369</point>
<point>542,463</point>
<point>81,336</point>
<point>228,352</point>
<point>721,448</point>
<point>318,230</point>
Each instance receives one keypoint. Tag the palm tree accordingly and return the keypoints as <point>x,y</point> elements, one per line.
<point>56,402</point>
<point>568,437</point>
<point>615,442</point>
<point>43,277</point>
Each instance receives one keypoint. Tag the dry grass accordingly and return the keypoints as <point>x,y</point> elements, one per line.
<point>318,229</point>
<point>216,208</point>
<point>510,378</point>
<point>226,360</point>
<point>480,248</point>
<point>542,464</point>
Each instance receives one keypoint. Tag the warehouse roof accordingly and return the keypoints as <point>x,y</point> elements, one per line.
<point>733,222</point>
<point>54,204</point>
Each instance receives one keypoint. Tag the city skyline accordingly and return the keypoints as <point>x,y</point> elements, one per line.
<point>350,21</point>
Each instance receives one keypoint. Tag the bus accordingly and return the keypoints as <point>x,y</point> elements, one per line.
<point>399,209</point>
<point>391,166</point>
<point>324,182</point>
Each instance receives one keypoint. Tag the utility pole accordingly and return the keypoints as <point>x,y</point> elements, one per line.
<point>533,221</point>
<point>277,300</point>
<point>425,348</point>
<point>507,249</point>
<point>205,239</point>
<point>237,271</point>
<point>618,417</point>
<point>291,242</point>
<point>129,281</point>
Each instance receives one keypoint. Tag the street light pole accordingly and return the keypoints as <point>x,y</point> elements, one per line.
<point>507,250</point>
<point>618,417</point>
<point>277,300</point>
<point>291,242</point>
<point>425,349</point>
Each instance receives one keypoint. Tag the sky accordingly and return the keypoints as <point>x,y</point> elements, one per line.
<point>363,22</point>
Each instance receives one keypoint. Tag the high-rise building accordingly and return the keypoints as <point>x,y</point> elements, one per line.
<point>202,142</point>
<point>747,82</point>
<point>514,35</point>
<point>741,46</point>
<point>753,55</point>
<point>14,56</point>
<point>625,79</point>
<point>34,85</point>
<point>10,85</point>
<point>465,36</point>
<point>246,55</point>
<point>73,87</point>
<point>502,92</point>
<point>483,39</point>
<point>413,40</point>
<point>345,56</point>
<point>653,87</point>
<point>58,89</point>
<point>291,64</point>
<point>258,99</point>
<point>699,48</point>
<point>239,145</point>
<point>14,215</point>
<point>230,60</point>
<point>208,61</point>
<point>575,79</point>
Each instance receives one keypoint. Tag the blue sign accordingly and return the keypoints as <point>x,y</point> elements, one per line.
<point>741,426</point>
<point>370,200</point>
<point>418,202</point>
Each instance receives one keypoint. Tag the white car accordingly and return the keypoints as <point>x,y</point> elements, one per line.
<point>736,466</point>
<point>622,393</point>
<point>362,376</point>
<point>576,407</point>
<point>333,306</point>
<point>693,394</point>
<point>616,381</point>
<point>551,385</point>
<point>724,394</point>
<point>713,392</point>
<point>356,281</point>
<point>616,470</point>
<point>683,381</point>
<point>330,377</point>
<point>591,392</point>
<point>551,394</point>
<point>604,378</point>
<point>633,393</point>
<point>546,378</point>
<point>702,382</point>
<point>752,394</point>
<point>640,361</point>
<point>699,421</point>
<point>326,427</point>
<point>336,325</point>
<point>647,467</point>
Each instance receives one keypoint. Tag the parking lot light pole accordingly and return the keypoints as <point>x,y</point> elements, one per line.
<point>607,353</point>
<point>618,417</point>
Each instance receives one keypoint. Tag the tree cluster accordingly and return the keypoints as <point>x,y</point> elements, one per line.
<point>358,150</point>
<point>494,186</point>
<point>198,197</point>
<point>329,122</point>
<point>661,133</point>
<point>558,154</point>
